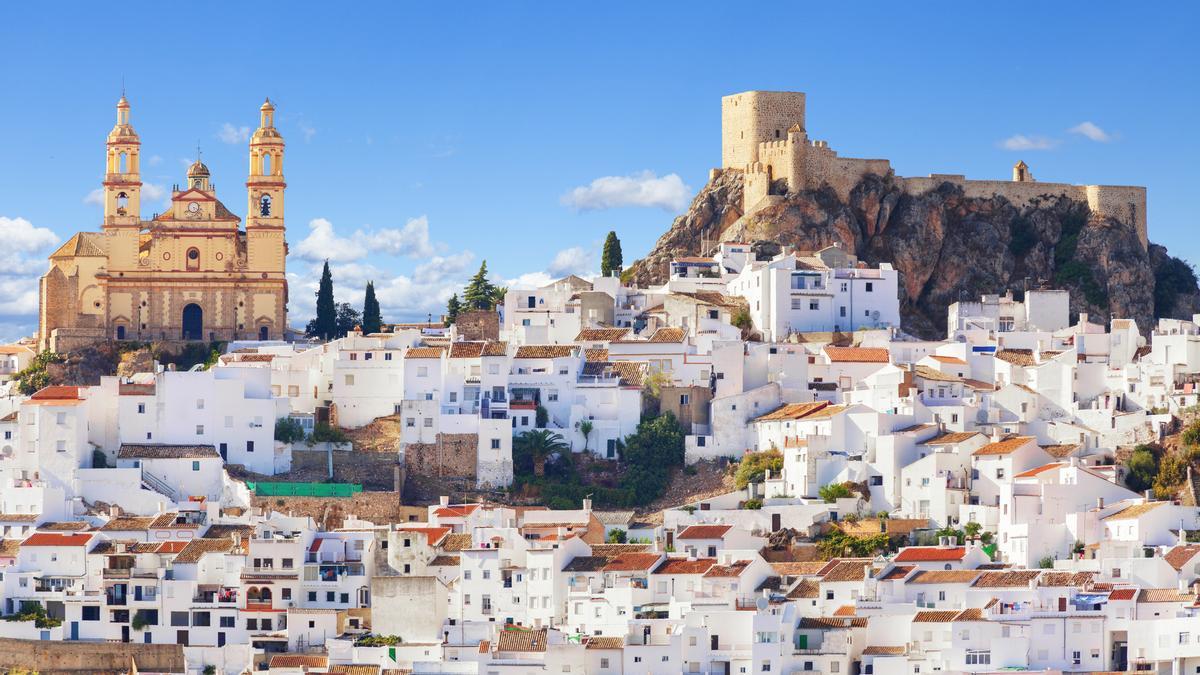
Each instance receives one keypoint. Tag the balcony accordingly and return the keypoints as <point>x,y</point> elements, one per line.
<point>258,606</point>
<point>217,596</point>
<point>332,572</point>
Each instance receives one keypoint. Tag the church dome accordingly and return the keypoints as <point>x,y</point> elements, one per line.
<point>267,106</point>
<point>197,169</point>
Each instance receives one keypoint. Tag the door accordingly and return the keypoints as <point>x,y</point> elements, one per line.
<point>124,633</point>
<point>776,522</point>
<point>802,641</point>
<point>262,332</point>
<point>74,630</point>
<point>193,322</point>
<point>181,637</point>
<point>1062,604</point>
<point>713,641</point>
<point>221,639</point>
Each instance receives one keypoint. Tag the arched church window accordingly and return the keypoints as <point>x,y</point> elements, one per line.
<point>193,259</point>
<point>122,162</point>
<point>266,164</point>
<point>264,205</point>
<point>122,200</point>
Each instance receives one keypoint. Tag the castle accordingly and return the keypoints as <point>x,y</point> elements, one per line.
<point>189,273</point>
<point>763,135</point>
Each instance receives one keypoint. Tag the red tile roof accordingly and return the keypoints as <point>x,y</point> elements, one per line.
<point>432,534</point>
<point>1123,594</point>
<point>1004,447</point>
<point>704,532</point>
<point>931,554</point>
<point>57,539</point>
<point>632,562</point>
<point>684,566</point>
<point>857,355</point>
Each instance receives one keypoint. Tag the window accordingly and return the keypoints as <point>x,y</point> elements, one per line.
<point>91,612</point>
<point>60,446</point>
<point>685,399</point>
<point>870,286</point>
<point>141,408</point>
<point>410,422</point>
<point>422,371</point>
<point>428,422</point>
<point>195,466</point>
<point>199,404</point>
<point>495,443</point>
<point>199,429</point>
<point>814,304</point>
<point>330,596</point>
<point>349,380</point>
<point>977,657</point>
<point>249,446</point>
<point>312,596</point>
<point>179,618</point>
<point>713,314</point>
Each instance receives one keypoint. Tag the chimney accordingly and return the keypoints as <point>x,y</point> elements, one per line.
<point>996,434</point>
<point>1083,317</point>
<point>114,510</point>
<point>1149,495</point>
<point>444,501</point>
<point>1099,502</point>
<point>237,539</point>
<point>587,504</point>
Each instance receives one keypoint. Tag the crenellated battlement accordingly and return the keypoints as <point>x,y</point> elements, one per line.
<point>763,135</point>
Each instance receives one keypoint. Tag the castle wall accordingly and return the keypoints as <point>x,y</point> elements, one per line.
<point>752,117</point>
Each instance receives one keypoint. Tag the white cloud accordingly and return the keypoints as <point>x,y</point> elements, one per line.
<point>21,235</point>
<point>412,241</point>
<point>530,280</point>
<point>307,130</point>
<point>643,189</point>
<point>1023,142</point>
<point>1091,131</point>
<point>574,260</point>
<point>233,135</point>
<point>322,243</point>
<point>154,160</point>
<point>95,197</point>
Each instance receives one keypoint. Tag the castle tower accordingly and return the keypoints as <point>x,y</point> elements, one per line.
<point>265,246</point>
<point>1021,173</point>
<point>122,190</point>
<point>754,117</point>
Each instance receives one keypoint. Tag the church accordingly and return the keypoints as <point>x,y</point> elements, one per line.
<point>191,273</point>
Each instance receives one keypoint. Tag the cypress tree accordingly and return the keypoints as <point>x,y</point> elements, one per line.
<point>453,307</point>
<point>611,260</point>
<point>372,322</point>
<point>324,326</point>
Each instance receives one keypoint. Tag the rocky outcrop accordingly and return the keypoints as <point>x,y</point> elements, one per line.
<point>946,246</point>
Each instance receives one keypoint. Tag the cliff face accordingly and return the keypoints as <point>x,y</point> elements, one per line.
<point>947,247</point>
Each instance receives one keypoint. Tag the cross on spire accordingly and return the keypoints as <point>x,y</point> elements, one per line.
<point>198,152</point>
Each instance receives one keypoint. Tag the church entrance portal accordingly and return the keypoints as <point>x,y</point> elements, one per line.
<point>193,322</point>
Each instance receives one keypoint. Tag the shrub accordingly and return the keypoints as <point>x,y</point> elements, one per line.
<point>1191,435</point>
<point>541,417</point>
<point>36,376</point>
<point>1046,563</point>
<point>325,433</point>
<point>755,465</point>
<point>833,492</point>
<point>752,504</point>
<point>288,430</point>
<point>379,641</point>
<point>617,536</point>
<point>1142,469</point>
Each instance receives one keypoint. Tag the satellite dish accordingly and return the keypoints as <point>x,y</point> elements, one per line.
<point>874,315</point>
<point>762,603</point>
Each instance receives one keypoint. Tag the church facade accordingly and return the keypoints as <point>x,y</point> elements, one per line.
<point>191,273</point>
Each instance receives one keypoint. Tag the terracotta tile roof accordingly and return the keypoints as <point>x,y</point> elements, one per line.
<point>544,351</point>
<point>628,373</point>
<point>128,524</point>
<point>1178,556</point>
<point>844,610</point>
<point>729,571</point>
<point>466,350</point>
<point>897,572</point>
<point>433,535</point>
<point>601,334</point>
<point>299,661</point>
<point>166,451</point>
<point>714,298</point>
<point>1035,471</point>
<point>617,549</point>
<point>64,526</point>
<point>595,355</point>
<point>521,640</point>
<point>424,353</point>
<point>883,650</point>
<point>135,389</point>
<point>632,562</point>
<point>455,510</point>
<point>936,616</point>
<point>805,589</point>
<point>828,622</point>
<point>19,517</point>
<point>857,355</point>
<point>952,438</point>
<point>1007,579</point>
<point>797,568</point>
<point>1061,450</point>
<point>1004,447</point>
<point>9,548</point>
<point>935,375</point>
<point>58,539</point>
<point>1065,579</point>
<point>57,393</point>
<point>354,669</point>
<point>171,519</point>
<point>485,646</point>
<point>586,563</point>
<point>1017,357</point>
<point>1123,594</point>
<point>1134,511</point>
<point>931,554</point>
<point>227,530</point>
<point>944,577</point>
<point>684,566</point>
<point>601,642</point>
<point>198,548</point>
<point>669,334</point>
<point>495,348</point>
<point>456,542</point>
<point>852,570</point>
<point>792,411</point>
<point>948,359</point>
<point>704,532</point>
<point>444,561</point>
<point>1165,595</point>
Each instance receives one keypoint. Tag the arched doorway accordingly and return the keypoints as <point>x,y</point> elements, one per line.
<point>193,322</point>
<point>263,332</point>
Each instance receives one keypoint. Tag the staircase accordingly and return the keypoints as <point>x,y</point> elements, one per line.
<point>152,482</point>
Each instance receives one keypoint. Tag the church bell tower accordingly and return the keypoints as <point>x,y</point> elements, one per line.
<point>122,190</point>
<point>264,190</point>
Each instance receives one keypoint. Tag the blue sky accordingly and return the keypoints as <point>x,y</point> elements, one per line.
<point>423,140</point>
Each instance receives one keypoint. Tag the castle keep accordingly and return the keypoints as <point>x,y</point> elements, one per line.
<point>763,135</point>
<point>189,273</point>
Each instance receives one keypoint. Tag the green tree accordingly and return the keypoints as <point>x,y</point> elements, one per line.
<point>348,319</point>
<point>288,430</point>
<point>755,465</point>
<point>1142,469</point>
<point>585,428</point>
<point>324,324</point>
<point>611,260</point>
<point>453,308</point>
<point>372,321</point>
<point>616,536</point>
<point>833,492</point>
<point>480,293</point>
<point>540,444</point>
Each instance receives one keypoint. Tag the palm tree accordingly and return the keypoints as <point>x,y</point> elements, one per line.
<point>585,428</point>
<point>540,444</point>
